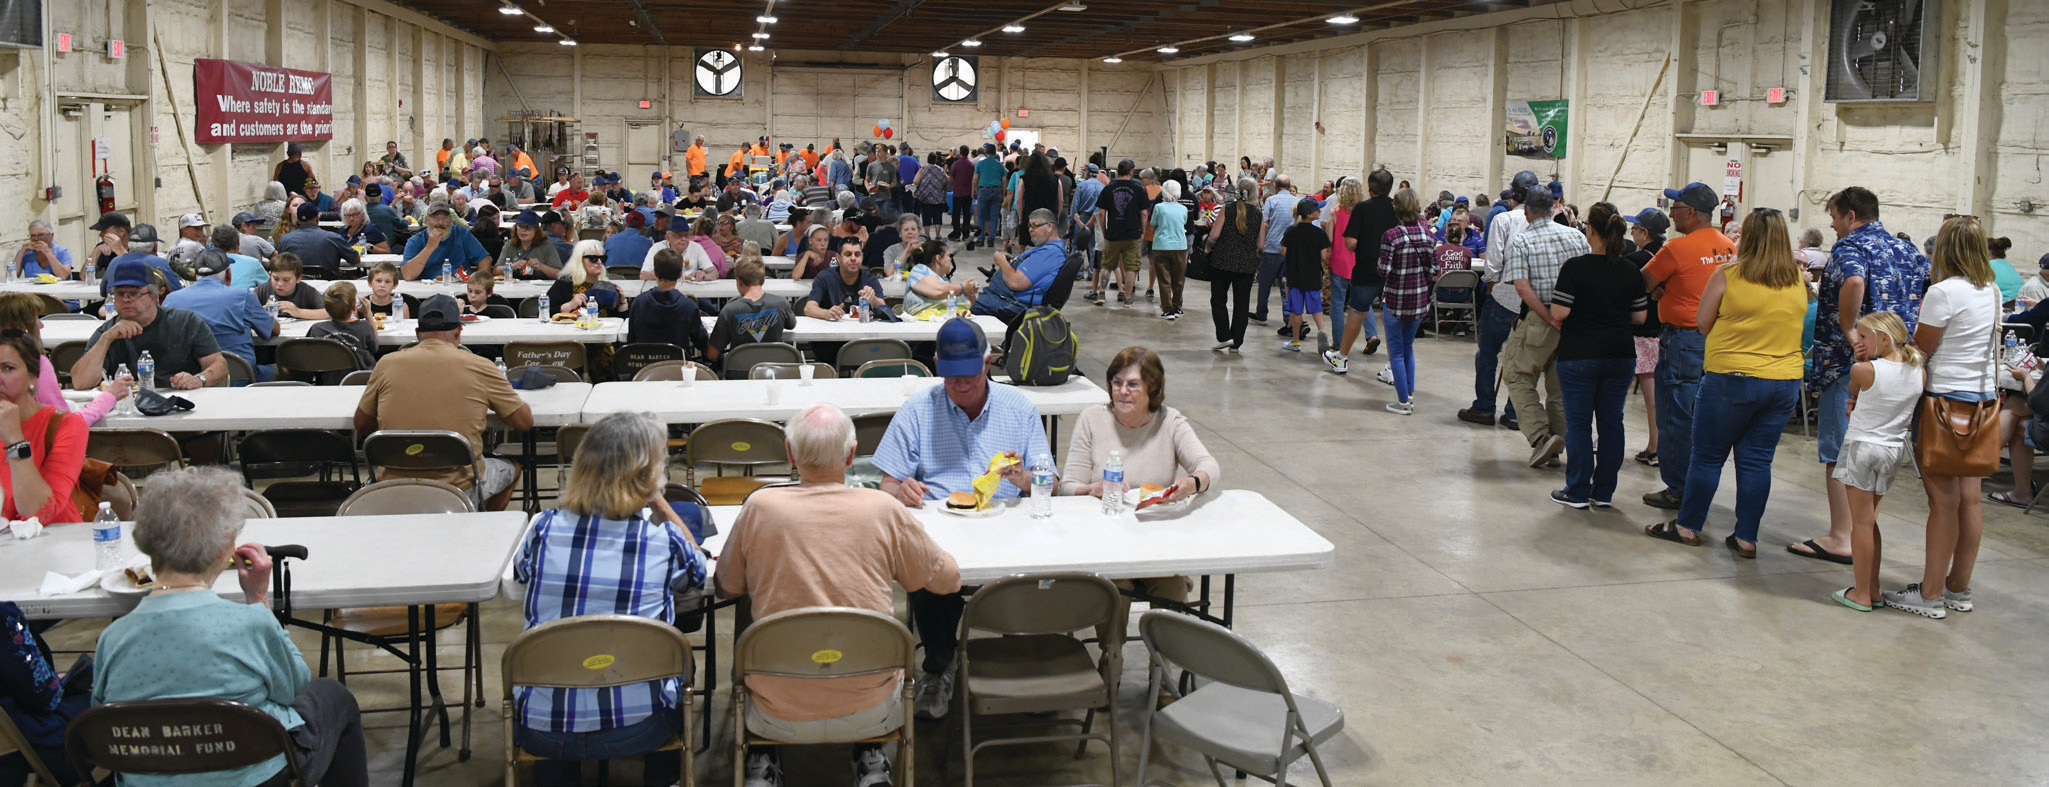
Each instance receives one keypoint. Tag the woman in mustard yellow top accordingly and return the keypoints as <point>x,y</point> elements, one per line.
<point>1752,312</point>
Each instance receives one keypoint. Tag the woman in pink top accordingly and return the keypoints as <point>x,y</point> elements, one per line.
<point>22,312</point>
<point>1351,191</point>
<point>701,234</point>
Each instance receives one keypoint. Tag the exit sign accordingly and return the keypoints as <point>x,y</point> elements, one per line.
<point>644,103</point>
<point>115,48</point>
<point>63,42</point>
<point>1710,98</point>
<point>1776,95</point>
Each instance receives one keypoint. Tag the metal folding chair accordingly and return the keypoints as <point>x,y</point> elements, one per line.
<point>790,371</point>
<point>741,359</point>
<point>1245,718</point>
<point>861,352</point>
<point>825,642</point>
<point>597,651</point>
<point>1036,664</point>
<point>315,359</point>
<point>747,442</point>
<point>232,735</point>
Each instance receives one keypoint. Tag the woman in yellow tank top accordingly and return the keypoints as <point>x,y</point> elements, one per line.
<point>1752,312</point>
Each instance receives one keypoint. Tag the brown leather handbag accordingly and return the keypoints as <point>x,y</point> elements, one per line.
<point>97,481</point>
<point>1959,439</point>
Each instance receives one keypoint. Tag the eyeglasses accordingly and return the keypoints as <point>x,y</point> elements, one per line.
<point>1127,385</point>
<point>1038,224</point>
<point>130,295</point>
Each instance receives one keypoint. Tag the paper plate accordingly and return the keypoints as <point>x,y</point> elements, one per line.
<point>992,510</point>
<point>118,583</point>
<point>472,318</point>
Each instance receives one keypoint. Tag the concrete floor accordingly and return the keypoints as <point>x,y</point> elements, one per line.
<point>1475,632</point>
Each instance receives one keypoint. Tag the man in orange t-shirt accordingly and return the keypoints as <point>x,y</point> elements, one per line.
<point>1676,276</point>
<point>694,157</point>
<point>441,156</point>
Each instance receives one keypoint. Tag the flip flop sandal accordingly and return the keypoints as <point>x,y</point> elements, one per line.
<point>2005,498</point>
<point>1843,597</point>
<point>1671,531</point>
<point>1818,553</point>
<point>1737,547</point>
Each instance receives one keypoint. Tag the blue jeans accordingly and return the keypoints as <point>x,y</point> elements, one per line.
<point>1495,323</point>
<point>988,209</point>
<point>564,750</point>
<point>1270,266</point>
<point>1832,419</point>
<point>1401,352</point>
<point>1595,390</point>
<point>1744,415</point>
<point>1340,290</point>
<point>1681,351</point>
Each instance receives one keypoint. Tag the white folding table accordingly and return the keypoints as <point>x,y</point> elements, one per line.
<point>401,332</point>
<point>63,289</point>
<point>415,561</point>
<point>711,400</point>
<point>810,329</point>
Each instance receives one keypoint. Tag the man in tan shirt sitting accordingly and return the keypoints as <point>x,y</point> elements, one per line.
<point>823,543</point>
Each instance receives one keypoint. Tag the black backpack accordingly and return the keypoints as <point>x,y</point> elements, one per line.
<point>1042,348</point>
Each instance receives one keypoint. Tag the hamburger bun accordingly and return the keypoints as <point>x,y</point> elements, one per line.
<point>1149,490</point>
<point>565,318</point>
<point>962,501</point>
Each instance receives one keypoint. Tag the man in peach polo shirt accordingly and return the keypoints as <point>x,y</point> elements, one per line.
<point>823,543</point>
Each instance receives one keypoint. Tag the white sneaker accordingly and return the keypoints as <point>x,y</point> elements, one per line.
<point>1292,346</point>
<point>1401,408</point>
<point>871,767</point>
<point>763,769</point>
<point>1385,375</point>
<point>1338,364</point>
<point>935,693</point>
<point>1220,346</point>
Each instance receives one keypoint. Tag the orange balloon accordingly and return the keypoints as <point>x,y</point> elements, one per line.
<point>1005,123</point>
<point>877,130</point>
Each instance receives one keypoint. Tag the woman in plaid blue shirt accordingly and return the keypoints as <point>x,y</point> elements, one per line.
<point>614,546</point>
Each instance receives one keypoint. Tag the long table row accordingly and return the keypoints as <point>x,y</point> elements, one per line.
<point>792,289</point>
<point>488,331</point>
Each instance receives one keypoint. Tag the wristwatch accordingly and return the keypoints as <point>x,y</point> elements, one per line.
<point>19,450</point>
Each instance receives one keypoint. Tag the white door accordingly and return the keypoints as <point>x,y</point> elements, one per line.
<point>78,126</point>
<point>644,144</point>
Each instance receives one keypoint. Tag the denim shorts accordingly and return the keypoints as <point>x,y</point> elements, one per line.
<point>1361,296</point>
<point>1304,301</point>
<point>1832,419</point>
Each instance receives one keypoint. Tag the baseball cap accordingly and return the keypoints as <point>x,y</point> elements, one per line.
<point>439,313</point>
<point>666,210</point>
<point>961,347</point>
<point>375,190</point>
<point>440,207</point>
<point>1507,193</point>
<point>550,217</point>
<point>355,180</point>
<point>308,211</point>
<point>657,175</point>
<point>1307,203</point>
<point>528,218</point>
<point>635,219</point>
<point>128,273</point>
<point>1695,195</point>
<point>1092,169</point>
<point>191,220</point>
<point>244,217</point>
<point>1557,189</point>
<point>111,218</point>
<point>1523,181</point>
<point>143,233</point>
<point>1653,221</point>
<point>209,262</point>
<point>1462,201</point>
<point>2044,262</point>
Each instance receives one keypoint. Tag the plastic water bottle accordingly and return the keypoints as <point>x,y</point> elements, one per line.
<point>443,278</point>
<point>545,311</point>
<point>2013,347</point>
<point>272,307</point>
<point>7,272</point>
<point>1042,486</point>
<point>952,304</point>
<point>127,404</point>
<point>145,373</point>
<point>106,539</point>
<point>501,366</point>
<point>1113,485</point>
<point>590,313</point>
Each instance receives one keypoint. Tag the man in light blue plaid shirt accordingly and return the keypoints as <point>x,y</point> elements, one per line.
<point>1531,264</point>
<point>586,563</point>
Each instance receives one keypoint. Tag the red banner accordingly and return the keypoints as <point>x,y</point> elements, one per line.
<point>246,102</point>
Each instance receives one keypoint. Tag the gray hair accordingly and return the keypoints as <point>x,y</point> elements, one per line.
<point>1810,238</point>
<point>352,206</point>
<point>751,211</point>
<point>189,518</point>
<point>1041,214</point>
<point>1246,185</point>
<point>140,247</point>
<point>42,225</point>
<point>1171,190</point>
<point>911,219</point>
<point>1148,174</point>
<point>225,238</point>
<point>1538,201</point>
<point>274,191</point>
<point>821,437</point>
<point>846,200</point>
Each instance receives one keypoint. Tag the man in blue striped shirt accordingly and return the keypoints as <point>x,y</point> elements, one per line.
<point>940,440</point>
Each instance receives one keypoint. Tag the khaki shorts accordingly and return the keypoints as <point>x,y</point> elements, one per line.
<point>1121,255</point>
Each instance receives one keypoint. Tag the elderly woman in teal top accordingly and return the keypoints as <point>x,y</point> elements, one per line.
<point>184,640</point>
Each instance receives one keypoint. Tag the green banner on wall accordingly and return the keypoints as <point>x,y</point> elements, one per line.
<point>1536,129</point>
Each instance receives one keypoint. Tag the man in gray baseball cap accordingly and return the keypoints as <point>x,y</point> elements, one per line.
<point>253,242</point>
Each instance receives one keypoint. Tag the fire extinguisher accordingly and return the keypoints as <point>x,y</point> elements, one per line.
<point>105,185</point>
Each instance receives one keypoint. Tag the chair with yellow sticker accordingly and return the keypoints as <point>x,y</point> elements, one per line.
<point>826,644</point>
<point>747,443</point>
<point>597,652</point>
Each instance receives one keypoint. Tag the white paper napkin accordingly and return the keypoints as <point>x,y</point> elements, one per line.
<point>26,529</point>
<point>55,584</point>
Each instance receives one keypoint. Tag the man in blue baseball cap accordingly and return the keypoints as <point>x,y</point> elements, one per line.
<point>1682,267</point>
<point>178,341</point>
<point>940,439</point>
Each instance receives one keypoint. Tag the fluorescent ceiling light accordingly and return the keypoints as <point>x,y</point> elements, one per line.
<point>756,48</point>
<point>1344,19</point>
<point>1167,50</point>
<point>939,54</point>
<point>1242,37</point>
<point>544,29</point>
<point>567,42</point>
<point>1070,7</point>
<point>761,35</point>
<point>1013,28</point>
<point>1113,60</point>
<point>971,42</point>
<point>510,10</point>
<point>766,20</point>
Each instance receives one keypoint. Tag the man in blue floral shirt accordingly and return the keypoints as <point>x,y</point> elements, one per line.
<point>1869,270</point>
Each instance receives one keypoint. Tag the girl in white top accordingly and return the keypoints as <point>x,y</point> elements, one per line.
<point>1958,318</point>
<point>1885,384</point>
